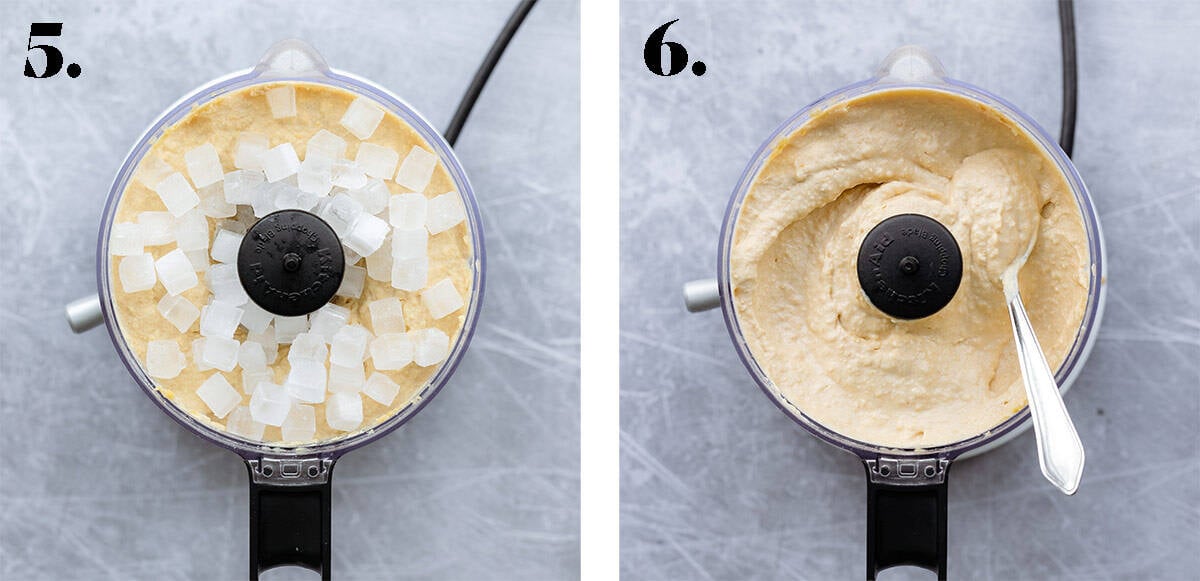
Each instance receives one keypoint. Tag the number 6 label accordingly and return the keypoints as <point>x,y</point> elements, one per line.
<point>652,54</point>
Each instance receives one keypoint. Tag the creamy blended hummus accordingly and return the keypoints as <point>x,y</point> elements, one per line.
<point>826,348</point>
<point>219,122</point>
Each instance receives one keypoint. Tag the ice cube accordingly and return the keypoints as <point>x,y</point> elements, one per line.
<point>381,389</point>
<point>300,424</point>
<point>213,203</point>
<point>199,260</point>
<point>225,246</point>
<point>247,154</point>
<point>255,319</point>
<point>327,144</point>
<point>344,411</point>
<point>308,346</point>
<point>407,211</point>
<point>328,320</point>
<point>191,232</point>
<point>347,174</point>
<point>220,352</point>
<point>353,280</point>
<point>315,181</point>
<point>306,381</point>
<point>177,194</point>
<point>158,228</point>
<point>176,272</point>
<point>318,161</point>
<point>137,273</point>
<point>379,265</point>
<point>377,161</point>
<point>441,298</point>
<point>349,379</point>
<point>444,212</point>
<point>226,285</point>
<point>366,235</point>
<point>349,346</point>
<point>252,356</point>
<point>282,101</point>
<point>218,395</point>
<point>280,162</point>
<point>373,195</point>
<point>204,165</point>
<point>264,202</point>
<point>410,243</point>
<point>179,311</point>
<point>410,274</point>
<point>416,169</point>
<point>387,315</point>
<point>252,377</point>
<point>430,346</point>
<point>287,328</point>
<point>362,117</point>
<point>240,423</point>
<point>391,351</point>
<point>164,360</point>
<point>198,354</point>
<point>152,170</point>
<point>270,404</point>
<point>351,256</point>
<point>242,221</point>
<point>287,197</point>
<point>266,339</point>
<point>243,185</point>
<point>125,239</point>
<point>341,213</point>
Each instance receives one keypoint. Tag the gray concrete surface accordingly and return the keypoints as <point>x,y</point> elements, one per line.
<point>718,484</point>
<point>96,483</point>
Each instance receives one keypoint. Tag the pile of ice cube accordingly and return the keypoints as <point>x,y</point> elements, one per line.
<point>326,360</point>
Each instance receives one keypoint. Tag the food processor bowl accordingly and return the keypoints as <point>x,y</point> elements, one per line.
<point>907,486</point>
<point>289,485</point>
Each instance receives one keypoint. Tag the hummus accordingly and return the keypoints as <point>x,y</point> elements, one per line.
<point>219,122</point>
<point>827,350</point>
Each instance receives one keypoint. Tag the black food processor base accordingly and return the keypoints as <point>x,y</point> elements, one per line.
<point>906,523</point>
<point>290,516</point>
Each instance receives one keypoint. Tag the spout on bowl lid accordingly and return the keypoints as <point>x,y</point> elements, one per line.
<point>291,58</point>
<point>911,63</point>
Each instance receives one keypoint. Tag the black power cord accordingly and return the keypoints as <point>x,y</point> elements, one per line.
<point>1066,24</point>
<point>485,70</point>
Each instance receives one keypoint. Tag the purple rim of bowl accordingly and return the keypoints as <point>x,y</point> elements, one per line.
<point>331,77</point>
<point>1096,282</point>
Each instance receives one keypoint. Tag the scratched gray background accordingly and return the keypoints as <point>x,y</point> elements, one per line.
<point>96,483</point>
<point>718,484</point>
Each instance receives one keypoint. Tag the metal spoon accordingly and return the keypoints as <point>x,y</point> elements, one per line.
<point>1060,452</point>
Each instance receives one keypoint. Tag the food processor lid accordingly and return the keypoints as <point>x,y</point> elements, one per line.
<point>291,263</point>
<point>292,61</point>
<point>905,68</point>
<point>909,266</point>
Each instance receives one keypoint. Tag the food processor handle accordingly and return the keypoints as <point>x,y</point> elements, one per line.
<point>701,295</point>
<point>84,313</point>
<point>289,522</point>
<point>906,520</point>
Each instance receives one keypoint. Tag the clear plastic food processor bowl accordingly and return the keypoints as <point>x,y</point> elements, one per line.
<point>907,68</point>
<point>291,60</point>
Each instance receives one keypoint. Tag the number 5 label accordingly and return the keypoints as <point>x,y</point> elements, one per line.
<point>54,57</point>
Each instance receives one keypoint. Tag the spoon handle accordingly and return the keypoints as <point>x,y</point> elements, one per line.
<point>1060,452</point>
